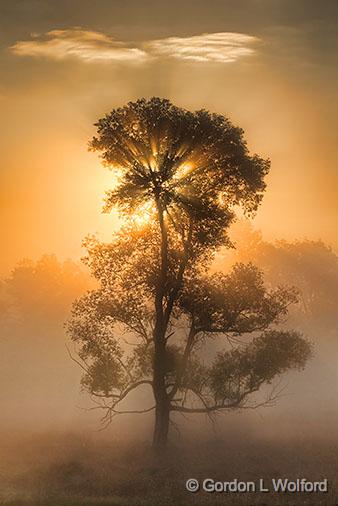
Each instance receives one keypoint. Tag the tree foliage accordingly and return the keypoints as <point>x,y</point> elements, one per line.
<point>41,292</point>
<point>114,328</point>
<point>157,310</point>
<point>196,165</point>
<point>312,266</point>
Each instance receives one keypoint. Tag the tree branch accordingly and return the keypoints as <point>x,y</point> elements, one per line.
<point>215,407</point>
<point>111,409</point>
<point>132,387</point>
<point>185,359</point>
<point>178,284</point>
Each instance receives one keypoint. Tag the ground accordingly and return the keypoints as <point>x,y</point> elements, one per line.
<point>68,470</point>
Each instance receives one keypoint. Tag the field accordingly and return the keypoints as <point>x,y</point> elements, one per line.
<point>69,470</point>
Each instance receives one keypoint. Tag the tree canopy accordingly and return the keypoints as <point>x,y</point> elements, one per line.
<point>157,311</point>
<point>312,266</point>
<point>114,327</point>
<point>194,165</point>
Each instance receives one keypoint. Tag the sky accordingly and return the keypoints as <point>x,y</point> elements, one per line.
<point>269,65</point>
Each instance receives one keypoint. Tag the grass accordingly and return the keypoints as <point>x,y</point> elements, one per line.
<point>67,501</point>
<point>81,473</point>
<point>167,501</point>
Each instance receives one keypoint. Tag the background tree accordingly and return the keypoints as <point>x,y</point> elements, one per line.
<point>311,266</point>
<point>39,293</point>
<point>181,176</point>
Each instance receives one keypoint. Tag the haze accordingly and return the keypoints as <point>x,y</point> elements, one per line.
<point>269,66</point>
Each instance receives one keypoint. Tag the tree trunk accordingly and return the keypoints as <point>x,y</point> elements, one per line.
<point>161,397</point>
<point>161,427</point>
<point>160,355</point>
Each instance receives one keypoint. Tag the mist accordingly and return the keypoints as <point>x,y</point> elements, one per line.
<point>51,435</point>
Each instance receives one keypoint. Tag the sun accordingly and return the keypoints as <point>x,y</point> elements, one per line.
<point>144,215</point>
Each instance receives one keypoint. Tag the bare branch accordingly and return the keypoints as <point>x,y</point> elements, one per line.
<point>78,362</point>
<point>132,387</point>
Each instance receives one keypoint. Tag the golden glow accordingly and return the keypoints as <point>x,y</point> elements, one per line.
<point>183,170</point>
<point>152,162</point>
<point>144,214</point>
<point>52,189</point>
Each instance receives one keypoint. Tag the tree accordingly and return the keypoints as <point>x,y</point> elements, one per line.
<point>42,291</point>
<point>181,176</point>
<point>311,266</point>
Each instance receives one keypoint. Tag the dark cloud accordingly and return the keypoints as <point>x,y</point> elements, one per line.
<point>159,18</point>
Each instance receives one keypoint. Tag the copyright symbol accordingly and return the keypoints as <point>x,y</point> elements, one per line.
<point>192,485</point>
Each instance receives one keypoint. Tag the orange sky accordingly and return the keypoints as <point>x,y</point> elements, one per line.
<point>274,75</point>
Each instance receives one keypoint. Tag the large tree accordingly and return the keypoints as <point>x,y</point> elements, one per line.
<point>158,312</point>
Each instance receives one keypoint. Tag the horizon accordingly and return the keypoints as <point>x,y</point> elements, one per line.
<point>271,70</point>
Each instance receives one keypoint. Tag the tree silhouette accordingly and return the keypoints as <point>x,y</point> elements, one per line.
<point>40,292</point>
<point>311,266</point>
<point>181,176</point>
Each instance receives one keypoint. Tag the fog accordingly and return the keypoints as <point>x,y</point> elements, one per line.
<point>49,432</point>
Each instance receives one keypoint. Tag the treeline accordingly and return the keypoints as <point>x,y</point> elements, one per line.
<point>37,374</point>
<point>310,266</point>
<point>41,292</point>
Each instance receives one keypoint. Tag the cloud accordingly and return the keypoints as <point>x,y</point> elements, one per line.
<point>90,46</point>
<point>222,47</point>
<point>82,44</point>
